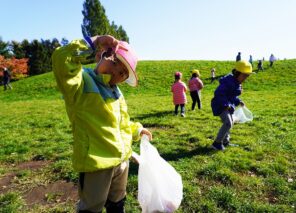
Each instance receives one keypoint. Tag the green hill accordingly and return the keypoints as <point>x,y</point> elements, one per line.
<point>257,176</point>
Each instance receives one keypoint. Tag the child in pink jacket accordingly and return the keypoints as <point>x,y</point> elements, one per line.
<point>195,86</point>
<point>179,89</point>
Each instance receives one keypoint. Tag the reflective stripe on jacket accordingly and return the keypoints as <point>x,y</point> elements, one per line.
<point>102,129</point>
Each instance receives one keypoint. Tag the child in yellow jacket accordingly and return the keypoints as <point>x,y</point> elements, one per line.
<point>101,126</point>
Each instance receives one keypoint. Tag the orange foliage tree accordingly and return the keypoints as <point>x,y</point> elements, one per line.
<point>17,67</point>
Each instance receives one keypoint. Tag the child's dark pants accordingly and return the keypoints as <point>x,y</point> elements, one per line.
<point>182,108</point>
<point>195,98</point>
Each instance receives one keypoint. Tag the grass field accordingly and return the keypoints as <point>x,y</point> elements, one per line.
<point>257,176</point>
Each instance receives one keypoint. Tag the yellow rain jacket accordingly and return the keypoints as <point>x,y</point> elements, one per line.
<point>102,129</point>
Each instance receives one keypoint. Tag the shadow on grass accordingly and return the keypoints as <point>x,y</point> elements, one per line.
<point>188,154</point>
<point>156,114</point>
<point>133,170</point>
<point>217,78</point>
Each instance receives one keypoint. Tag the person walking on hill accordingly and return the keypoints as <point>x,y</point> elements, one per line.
<point>6,78</point>
<point>260,65</point>
<point>97,110</point>
<point>195,85</point>
<point>238,57</point>
<point>226,99</point>
<point>272,59</point>
<point>179,94</point>
<point>251,60</point>
<point>213,74</point>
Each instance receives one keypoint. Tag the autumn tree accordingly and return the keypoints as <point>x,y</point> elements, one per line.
<point>36,53</point>
<point>18,67</point>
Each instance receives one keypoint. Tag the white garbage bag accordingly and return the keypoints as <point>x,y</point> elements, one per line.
<point>242,115</point>
<point>160,187</point>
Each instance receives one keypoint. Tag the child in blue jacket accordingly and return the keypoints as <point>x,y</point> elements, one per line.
<point>226,99</point>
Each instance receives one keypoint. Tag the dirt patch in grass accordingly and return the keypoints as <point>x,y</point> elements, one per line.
<point>33,165</point>
<point>57,192</point>
<point>43,194</point>
<point>6,180</point>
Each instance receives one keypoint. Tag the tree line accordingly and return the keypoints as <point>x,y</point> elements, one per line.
<point>38,52</point>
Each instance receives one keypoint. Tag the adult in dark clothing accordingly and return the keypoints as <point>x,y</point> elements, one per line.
<point>272,59</point>
<point>251,60</point>
<point>260,65</point>
<point>6,79</point>
<point>238,57</point>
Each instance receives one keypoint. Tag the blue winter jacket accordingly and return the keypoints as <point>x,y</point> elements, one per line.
<point>226,95</point>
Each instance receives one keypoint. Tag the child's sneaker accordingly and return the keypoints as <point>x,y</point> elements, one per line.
<point>218,146</point>
<point>182,115</point>
<point>226,143</point>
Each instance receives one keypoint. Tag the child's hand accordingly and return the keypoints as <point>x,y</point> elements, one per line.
<point>105,43</point>
<point>230,109</point>
<point>242,104</point>
<point>146,132</point>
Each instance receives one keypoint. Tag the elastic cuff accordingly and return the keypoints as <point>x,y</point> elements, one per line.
<point>140,130</point>
<point>89,41</point>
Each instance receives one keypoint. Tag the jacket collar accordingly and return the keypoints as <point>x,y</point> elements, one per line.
<point>94,83</point>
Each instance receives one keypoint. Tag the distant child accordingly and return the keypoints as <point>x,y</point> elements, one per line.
<point>6,78</point>
<point>251,60</point>
<point>179,94</point>
<point>272,59</point>
<point>260,65</point>
<point>238,57</point>
<point>101,126</point>
<point>195,85</point>
<point>226,99</point>
<point>213,74</point>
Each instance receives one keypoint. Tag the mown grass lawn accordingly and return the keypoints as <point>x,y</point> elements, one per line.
<point>257,176</point>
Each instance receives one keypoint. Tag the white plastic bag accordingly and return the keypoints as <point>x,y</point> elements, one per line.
<point>160,186</point>
<point>242,115</point>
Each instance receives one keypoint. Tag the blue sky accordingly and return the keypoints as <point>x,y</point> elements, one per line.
<point>167,29</point>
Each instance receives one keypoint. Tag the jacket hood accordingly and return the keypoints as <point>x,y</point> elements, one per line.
<point>228,79</point>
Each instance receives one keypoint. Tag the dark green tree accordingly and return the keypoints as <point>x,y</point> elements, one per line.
<point>95,21</point>
<point>37,58</point>
<point>4,49</point>
<point>26,48</point>
<point>122,34</point>
<point>113,30</point>
<point>17,49</point>
<point>64,41</point>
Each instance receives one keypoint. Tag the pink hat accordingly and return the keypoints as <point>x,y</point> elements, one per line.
<point>178,74</point>
<point>129,59</point>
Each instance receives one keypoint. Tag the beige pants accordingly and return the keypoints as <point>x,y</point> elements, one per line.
<point>96,187</point>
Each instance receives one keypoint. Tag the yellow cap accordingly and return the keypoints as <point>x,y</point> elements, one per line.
<point>243,67</point>
<point>195,71</point>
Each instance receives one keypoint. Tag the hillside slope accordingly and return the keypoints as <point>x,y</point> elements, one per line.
<point>259,175</point>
